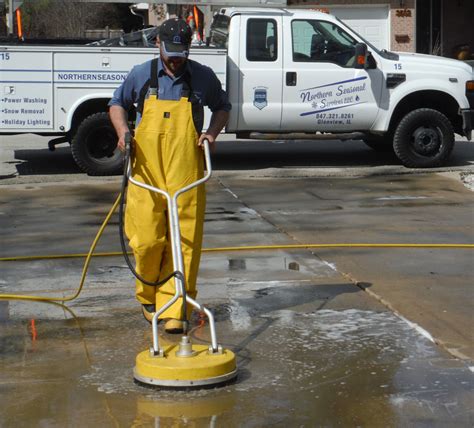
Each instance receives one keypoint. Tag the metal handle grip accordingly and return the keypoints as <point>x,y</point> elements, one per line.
<point>128,144</point>
<point>207,159</point>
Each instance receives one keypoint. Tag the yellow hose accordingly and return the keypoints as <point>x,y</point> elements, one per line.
<point>248,248</point>
<point>90,254</point>
<point>344,245</point>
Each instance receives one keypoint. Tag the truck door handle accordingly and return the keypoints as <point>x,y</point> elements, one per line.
<point>291,78</point>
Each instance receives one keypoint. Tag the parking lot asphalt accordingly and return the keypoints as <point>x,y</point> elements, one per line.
<point>323,336</point>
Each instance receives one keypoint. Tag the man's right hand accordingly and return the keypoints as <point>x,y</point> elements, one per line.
<point>118,117</point>
<point>121,143</point>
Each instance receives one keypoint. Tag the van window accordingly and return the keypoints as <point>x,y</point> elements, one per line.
<point>322,41</point>
<point>262,40</point>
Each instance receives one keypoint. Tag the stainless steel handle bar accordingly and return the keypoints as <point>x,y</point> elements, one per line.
<point>173,219</point>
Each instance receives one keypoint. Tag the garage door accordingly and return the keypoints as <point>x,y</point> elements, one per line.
<point>370,22</point>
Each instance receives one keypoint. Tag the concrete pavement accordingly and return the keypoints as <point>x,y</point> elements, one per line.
<point>323,337</point>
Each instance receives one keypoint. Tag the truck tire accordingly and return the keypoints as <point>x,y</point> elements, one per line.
<point>94,146</point>
<point>424,138</point>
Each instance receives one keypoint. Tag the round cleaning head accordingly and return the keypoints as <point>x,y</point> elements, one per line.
<point>185,365</point>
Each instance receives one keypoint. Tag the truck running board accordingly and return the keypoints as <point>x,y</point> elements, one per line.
<point>303,136</point>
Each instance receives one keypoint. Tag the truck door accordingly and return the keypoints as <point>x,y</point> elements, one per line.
<point>323,91</point>
<point>260,76</point>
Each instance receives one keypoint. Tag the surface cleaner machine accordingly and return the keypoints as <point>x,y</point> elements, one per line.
<point>182,364</point>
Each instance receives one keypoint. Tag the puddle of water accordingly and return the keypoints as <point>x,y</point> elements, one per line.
<point>254,267</point>
<point>241,264</point>
<point>401,198</point>
<point>237,264</point>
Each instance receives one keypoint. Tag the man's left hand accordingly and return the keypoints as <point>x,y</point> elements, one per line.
<point>209,138</point>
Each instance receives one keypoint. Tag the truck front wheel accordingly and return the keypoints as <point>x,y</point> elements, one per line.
<point>94,146</point>
<point>424,138</point>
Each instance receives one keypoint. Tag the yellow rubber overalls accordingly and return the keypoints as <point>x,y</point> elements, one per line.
<point>167,156</point>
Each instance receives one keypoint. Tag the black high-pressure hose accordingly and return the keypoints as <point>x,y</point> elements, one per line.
<point>158,283</point>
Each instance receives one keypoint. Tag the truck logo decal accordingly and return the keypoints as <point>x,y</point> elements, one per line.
<point>260,98</point>
<point>334,96</point>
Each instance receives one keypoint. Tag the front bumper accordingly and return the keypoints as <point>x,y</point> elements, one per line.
<point>467,122</point>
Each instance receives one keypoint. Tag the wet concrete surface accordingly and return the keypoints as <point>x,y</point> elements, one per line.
<point>300,365</point>
<point>433,287</point>
<point>353,337</point>
<point>312,349</point>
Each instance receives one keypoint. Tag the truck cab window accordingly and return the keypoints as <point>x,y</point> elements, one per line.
<point>321,41</point>
<point>261,40</point>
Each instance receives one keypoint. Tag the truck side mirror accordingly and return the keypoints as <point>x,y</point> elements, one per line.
<point>361,55</point>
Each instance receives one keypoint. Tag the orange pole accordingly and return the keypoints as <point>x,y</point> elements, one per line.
<point>34,333</point>
<point>18,23</point>
<point>196,20</point>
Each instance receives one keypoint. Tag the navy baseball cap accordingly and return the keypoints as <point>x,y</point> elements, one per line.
<point>175,37</point>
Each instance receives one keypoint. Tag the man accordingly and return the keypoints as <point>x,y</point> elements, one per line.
<point>170,93</point>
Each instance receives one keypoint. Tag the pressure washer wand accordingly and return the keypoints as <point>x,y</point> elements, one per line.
<point>175,238</point>
<point>175,235</point>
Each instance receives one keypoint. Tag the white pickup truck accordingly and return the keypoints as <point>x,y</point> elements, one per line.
<point>289,74</point>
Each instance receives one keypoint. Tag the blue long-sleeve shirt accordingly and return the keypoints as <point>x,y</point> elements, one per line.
<point>206,87</point>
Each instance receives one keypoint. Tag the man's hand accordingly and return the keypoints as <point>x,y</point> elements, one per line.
<point>218,120</point>
<point>121,143</point>
<point>118,117</point>
<point>209,138</point>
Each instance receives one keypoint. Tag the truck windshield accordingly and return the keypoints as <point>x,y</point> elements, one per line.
<point>384,53</point>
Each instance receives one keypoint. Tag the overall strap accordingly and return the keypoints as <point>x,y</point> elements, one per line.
<point>151,84</point>
<point>154,75</point>
<point>196,107</point>
<point>187,90</point>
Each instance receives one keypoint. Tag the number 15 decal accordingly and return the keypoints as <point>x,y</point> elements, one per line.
<point>398,66</point>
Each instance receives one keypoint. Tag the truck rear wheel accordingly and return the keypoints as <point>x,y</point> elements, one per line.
<point>94,146</point>
<point>424,138</point>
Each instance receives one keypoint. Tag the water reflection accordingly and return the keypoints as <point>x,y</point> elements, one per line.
<point>191,412</point>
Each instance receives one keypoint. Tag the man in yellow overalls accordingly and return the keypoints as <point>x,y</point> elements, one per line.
<point>170,92</point>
